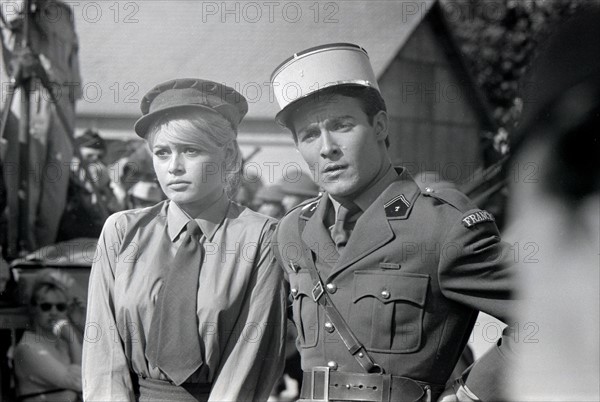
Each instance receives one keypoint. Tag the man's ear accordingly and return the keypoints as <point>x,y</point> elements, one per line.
<point>380,123</point>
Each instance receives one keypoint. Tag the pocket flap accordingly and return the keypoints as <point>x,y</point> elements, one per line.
<point>389,287</point>
<point>301,284</point>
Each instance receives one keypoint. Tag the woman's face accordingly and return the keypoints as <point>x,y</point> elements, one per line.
<point>51,306</point>
<point>190,175</point>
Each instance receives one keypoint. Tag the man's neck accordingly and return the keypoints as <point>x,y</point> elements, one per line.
<point>365,197</point>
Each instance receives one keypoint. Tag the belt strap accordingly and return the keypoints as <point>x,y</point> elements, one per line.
<point>322,384</point>
<point>356,349</point>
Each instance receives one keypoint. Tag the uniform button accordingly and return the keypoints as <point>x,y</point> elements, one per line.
<point>329,327</point>
<point>332,365</point>
<point>331,287</point>
<point>428,190</point>
<point>385,294</point>
<point>361,354</point>
<point>294,291</point>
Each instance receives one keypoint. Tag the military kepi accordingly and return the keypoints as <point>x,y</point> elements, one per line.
<point>192,94</point>
<point>318,68</point>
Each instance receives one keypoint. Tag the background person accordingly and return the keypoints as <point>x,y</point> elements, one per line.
<point>47,360</point>
<point>190,284</point>
<point>296,190</point>
<point>144,194</point>
<point>82,216</point>
<point>269,201</point>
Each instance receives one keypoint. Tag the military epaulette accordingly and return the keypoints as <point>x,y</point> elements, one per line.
<point>451,197</point>
<point>300,209</point>
<point>309,209</point>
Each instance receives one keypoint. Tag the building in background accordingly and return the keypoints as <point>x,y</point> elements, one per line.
<point>437,113</point>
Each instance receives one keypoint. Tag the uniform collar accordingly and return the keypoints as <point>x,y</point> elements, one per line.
<point>371,193</point>
<point>209,220</point>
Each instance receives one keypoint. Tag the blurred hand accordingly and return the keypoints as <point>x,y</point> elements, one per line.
<point>63,329</point>
<point>457,393</point>
<point>76,314</point>
<point>448,395</point>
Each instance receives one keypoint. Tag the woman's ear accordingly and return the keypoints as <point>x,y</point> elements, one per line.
<point>380,123</point>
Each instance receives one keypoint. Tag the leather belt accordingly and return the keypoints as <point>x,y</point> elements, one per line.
<point>323,384</point>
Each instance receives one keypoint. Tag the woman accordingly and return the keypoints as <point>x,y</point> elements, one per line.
<point>170,318</point>
<point>47,360</point>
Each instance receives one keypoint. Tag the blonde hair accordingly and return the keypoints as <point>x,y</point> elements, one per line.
<point>50,280</point>
<point>208,130</point>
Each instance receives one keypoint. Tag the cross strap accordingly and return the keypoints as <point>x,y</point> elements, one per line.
<point>322,298</point>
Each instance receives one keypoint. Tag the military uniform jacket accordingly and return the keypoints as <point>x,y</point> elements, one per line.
<point>414,274</point>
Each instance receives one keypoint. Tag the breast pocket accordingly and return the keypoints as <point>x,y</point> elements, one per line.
<point>306,311</point>
<point>387,310</point>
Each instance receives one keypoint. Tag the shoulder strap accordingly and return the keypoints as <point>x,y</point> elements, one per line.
<point>322,298</point>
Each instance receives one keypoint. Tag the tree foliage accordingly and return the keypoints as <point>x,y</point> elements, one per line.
<point>498,39</point>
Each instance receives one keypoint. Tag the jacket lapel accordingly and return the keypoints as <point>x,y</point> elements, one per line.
<point>316,236</point>
<point>373,230</point>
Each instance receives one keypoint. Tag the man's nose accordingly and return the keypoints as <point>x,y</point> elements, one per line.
<point>329,147</point>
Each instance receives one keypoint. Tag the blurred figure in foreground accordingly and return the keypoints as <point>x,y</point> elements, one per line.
<point>47,360</point>
<point>555,219</point>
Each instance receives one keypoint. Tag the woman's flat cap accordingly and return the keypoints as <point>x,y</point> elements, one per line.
<point>190,93</point>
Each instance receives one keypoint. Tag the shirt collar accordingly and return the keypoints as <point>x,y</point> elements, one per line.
<point>209,220</point>
<point>370,194</point>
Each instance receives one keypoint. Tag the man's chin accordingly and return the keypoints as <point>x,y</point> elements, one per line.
<point>338,189</point>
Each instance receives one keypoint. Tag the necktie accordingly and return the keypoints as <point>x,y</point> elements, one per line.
<point>344,223</point>
<point>173,343</point>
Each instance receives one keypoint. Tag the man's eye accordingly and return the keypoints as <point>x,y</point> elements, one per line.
<point>340,126</point>
<point>309,135</point>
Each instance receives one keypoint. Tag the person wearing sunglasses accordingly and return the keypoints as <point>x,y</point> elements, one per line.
<point>47,360</point>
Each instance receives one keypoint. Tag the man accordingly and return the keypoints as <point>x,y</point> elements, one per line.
<point>386,279</point>
<point>83,215</point>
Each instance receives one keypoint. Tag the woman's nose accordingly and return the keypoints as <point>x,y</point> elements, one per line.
<point>176,164</point>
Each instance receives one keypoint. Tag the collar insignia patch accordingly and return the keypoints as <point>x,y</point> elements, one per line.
<point>397,206</point>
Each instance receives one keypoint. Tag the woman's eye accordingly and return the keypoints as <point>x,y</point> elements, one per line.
<point>192,151</point>
<point>161,153</point>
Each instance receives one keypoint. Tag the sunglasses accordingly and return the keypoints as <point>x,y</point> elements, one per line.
<point>60,307</point>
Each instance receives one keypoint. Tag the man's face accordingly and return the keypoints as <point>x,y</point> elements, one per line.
<point>344,152</point>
